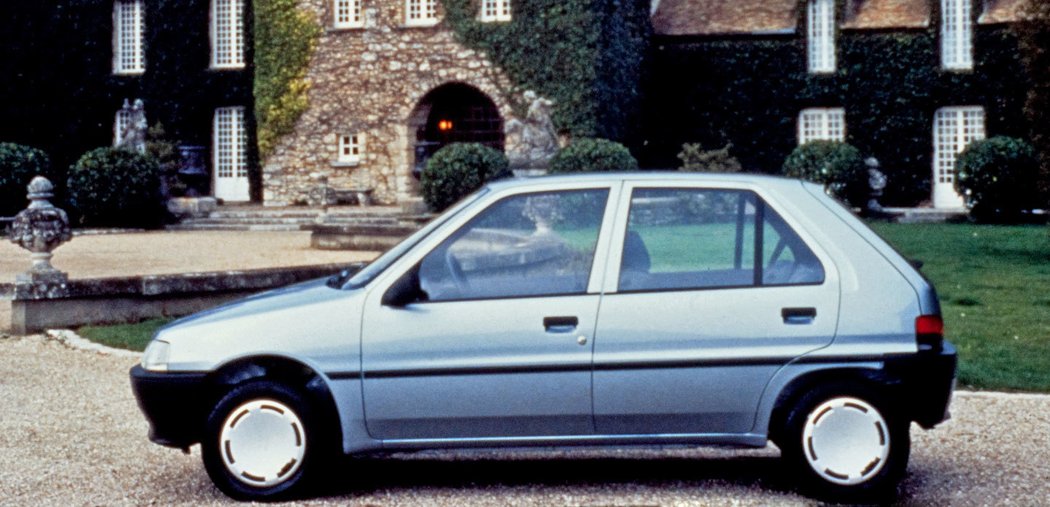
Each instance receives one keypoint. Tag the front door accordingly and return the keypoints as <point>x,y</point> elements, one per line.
<point>497,343</point>
<point>716,292</point>
<point>954,128</point>
<point>230,154</point>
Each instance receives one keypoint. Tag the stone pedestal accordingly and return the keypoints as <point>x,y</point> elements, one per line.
<point>192,207</point>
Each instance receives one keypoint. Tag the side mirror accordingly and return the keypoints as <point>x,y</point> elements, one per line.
<point>405,290</point>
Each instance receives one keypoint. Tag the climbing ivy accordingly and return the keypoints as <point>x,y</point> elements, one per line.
<point>285,39</point>
<point>749,90</point>
<point>585,55</point>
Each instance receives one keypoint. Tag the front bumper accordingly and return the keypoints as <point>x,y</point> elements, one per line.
<point>175,404</point>
<point>926,382</point>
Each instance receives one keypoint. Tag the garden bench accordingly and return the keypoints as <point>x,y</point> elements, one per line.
<point>328,196</point>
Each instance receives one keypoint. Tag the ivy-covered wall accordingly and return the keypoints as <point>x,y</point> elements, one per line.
<point>749,90</point>
<point>586,55</point>
<point>285,39</point>
<point>61,95</point>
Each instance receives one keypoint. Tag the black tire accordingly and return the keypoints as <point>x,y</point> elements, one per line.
<point>292,426</point>
<point>860,418</point>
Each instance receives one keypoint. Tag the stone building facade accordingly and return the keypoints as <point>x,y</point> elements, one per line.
<point>379,83</point>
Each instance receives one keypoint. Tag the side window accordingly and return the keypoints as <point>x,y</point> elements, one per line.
<point>526,245</point>
<point>786,260</point>
<point>696,239</point>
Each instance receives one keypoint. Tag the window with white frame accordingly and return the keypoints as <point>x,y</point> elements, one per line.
<point>120,125</point>
<point>421,12</point>
<point>227,34</point>
<point>821,124</point>
<point>230,140</point>
<point>348,14</point>
<point>956,34</point>
<point>954,128</point>
<point>821,35</point>
<point>351,147</point>
<point>495,10</point>
<point>129,34</point>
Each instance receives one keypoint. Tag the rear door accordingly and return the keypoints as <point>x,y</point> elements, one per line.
<point>710,292</point>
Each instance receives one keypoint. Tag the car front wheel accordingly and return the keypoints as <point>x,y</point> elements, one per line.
<point>843,444</point>
<point>261,442</point>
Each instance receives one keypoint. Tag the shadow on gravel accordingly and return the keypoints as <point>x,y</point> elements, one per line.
<point>375,474</point>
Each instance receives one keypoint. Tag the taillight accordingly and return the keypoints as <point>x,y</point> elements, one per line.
<point>929,332</point>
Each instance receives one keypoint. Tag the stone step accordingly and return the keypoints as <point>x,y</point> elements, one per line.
<point>234,227</point>
<point>304,220</point>
<point>261,218</point>
<point>300,215</point>
<point>925,215</point>
<point>236,212</point>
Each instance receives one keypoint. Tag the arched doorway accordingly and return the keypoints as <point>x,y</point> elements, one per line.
<point>453,113</point>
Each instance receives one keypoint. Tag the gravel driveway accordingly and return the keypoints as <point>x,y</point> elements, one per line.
<point>70,434</point>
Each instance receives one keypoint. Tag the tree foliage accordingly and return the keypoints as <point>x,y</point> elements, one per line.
<point>458,169</point>
<point>114,187</point>
<point>998,178</point>
<point>696,159</point>
<point>18,166</point>
<point>838,166</point>
<point>592,155</point>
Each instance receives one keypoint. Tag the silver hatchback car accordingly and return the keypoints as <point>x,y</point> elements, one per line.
<point>605,309</point>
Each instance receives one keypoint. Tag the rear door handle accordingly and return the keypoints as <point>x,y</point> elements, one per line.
<point>560,324</point>
<point>798,315</point>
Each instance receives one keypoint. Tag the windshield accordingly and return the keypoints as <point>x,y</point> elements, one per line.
<point>369,272</point>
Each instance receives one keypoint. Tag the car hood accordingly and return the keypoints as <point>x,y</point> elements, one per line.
<point>299,294</point>
<point>310,322</point>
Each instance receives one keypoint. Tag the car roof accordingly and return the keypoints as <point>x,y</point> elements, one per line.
<point>764,180</point>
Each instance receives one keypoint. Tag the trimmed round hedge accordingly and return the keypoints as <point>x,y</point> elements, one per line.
<point>999,177</point>
<point>18,165</point>
<point>836,165</point>
<point>458,169</point>
<point>114,187</point>
<point>592,155</point>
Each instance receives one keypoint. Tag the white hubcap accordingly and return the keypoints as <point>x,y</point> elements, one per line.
<point>846,440</point>
<point>262,442</point>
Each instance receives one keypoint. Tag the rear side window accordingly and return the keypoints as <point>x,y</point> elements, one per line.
<point>708,238</point>
<point>528,245</point>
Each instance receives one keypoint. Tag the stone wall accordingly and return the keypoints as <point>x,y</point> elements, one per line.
<point>370,80</point>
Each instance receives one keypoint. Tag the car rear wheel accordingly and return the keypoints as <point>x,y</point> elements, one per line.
<point>262,442</point>
<point>844,444</point>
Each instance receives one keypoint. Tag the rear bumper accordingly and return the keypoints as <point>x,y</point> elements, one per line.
<point>175,404</point>
<point>927,380</point>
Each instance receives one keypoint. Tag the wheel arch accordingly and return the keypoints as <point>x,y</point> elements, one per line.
<point>292,372</point>
<point>792,389</point>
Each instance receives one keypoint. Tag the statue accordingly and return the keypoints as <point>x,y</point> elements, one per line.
<point>531,144</point>
<point>876,183</point>
<point>133,137</point>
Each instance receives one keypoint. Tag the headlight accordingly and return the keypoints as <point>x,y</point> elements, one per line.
<point>156,356</point>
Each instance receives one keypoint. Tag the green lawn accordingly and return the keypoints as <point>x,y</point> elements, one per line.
<point>124,336</point>
<point>994,285</point>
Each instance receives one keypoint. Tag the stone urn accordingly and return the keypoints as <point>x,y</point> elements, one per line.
<point>41,228</point>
